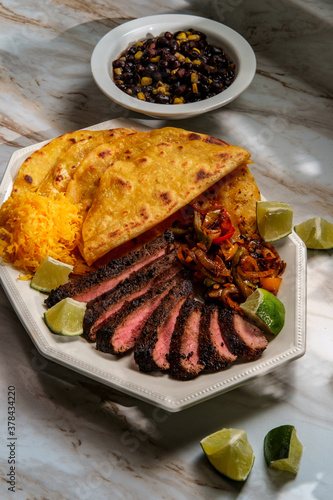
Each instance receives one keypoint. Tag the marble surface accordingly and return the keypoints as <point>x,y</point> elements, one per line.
<point>78,439</point>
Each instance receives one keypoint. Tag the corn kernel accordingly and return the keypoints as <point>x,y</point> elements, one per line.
<point>139,44</point>
<point>123,58</point>
<point>194,78</point>
<point>141,96</point>
<point>118,71</point>
<point>180,57</point>
<point>197,62</point>
<point>174,71</point>
<point>187,60</point>
<point>138,54</point>
<point>145,80</point>
<point>194,37</point>
<point>182,36</point>
<point>178,100</point>
<point>155,59</point>
<point>194,88</point>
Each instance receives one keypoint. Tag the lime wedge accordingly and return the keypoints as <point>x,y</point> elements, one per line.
<point>317,233</point>
<point>50,274</point>
<point>274,220</point>
<point>230,452</point>
<point>66,317</point>
<point>266,310</point>
<point>282,449</point>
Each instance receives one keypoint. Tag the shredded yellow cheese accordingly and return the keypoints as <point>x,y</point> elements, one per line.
<point>32,226</point>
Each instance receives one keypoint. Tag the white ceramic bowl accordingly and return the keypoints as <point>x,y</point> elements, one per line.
<point>117,40</point>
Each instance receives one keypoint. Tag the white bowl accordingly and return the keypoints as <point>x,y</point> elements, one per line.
<point>117,40</point>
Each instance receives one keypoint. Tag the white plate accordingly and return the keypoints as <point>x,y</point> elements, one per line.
<point>117,40</point>
<point>122,374</point>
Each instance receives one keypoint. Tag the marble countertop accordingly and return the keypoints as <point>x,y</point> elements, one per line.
<point>78,439</point>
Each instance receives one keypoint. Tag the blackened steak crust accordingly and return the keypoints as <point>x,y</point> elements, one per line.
<point>99,311</point>
<point>153,344</point>
<point>242,337</point>
<point>105,278</point>
<point>120,333</point>
<point>213,351</point>
<point>184,349</point>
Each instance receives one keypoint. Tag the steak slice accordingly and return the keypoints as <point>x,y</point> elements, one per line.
<point>153,345</point>
<point>100,311</point>
<point>213,351</point>
<point>120,334</point>
<point>94,284</point>
<point>184,349</point>
<point>243,338</point>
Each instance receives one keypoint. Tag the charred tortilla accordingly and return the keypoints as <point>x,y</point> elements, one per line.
<point>85,181</point>
<point>34,169</point>
<point>151,182</point>
<point>59,176</point>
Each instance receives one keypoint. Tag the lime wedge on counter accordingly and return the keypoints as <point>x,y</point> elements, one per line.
<point>66,317</point>
<point>50,274</point>
<point>274,220</point>
<point>282,449</point>
<point>317,233</point>
<point>230,452</point>
<point>266,310</point>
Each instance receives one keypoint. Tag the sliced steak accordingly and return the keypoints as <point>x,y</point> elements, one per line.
<point>213,351</point>
<point>94,284</point>
<point>243,338</point>
<point>184,348</point>
<point>153,345</point>
<point>101,310</point>
<point>120,334</point>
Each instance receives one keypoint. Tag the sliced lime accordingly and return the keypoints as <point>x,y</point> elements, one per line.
<point>230,452</point>
<point>282,449</point>
<point>317,233</point>
<point>266,310</point>
<point>50,274</point>
<point>66,317</point>
<point>274,220</point>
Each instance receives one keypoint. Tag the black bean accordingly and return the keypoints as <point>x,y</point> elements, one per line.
<point>158,58</point>
<point>162,99</point>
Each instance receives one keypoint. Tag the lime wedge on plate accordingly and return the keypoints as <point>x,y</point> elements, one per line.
<point>282,449</point>
<point>317,233</point>
<point>50,274</point>
<point>230,452</point>
<point>274,220</point>
<point>66,317</point>
<point>266,310</point>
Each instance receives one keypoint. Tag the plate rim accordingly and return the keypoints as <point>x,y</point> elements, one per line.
<point>167,402</point>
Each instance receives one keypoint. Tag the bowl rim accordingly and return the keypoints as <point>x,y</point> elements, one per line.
<point>120,37</point>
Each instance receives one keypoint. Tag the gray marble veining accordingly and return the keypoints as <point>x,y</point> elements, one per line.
<point>78,439</point>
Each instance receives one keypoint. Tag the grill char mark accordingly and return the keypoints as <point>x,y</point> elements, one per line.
<point>106,278</point>
<point>184,349</point>
<point>98,312</point>
<point>120,334</point>
<point>242,337</point>
<point>153,344</point>
<point>214,353</point>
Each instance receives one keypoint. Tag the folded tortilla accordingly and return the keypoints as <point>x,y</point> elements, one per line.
<point>59,176</point>
<point>34,169</point>
<point>151,181</point>
<point>82,187</point>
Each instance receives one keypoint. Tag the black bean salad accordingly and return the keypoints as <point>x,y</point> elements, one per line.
<point>174,68</point>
